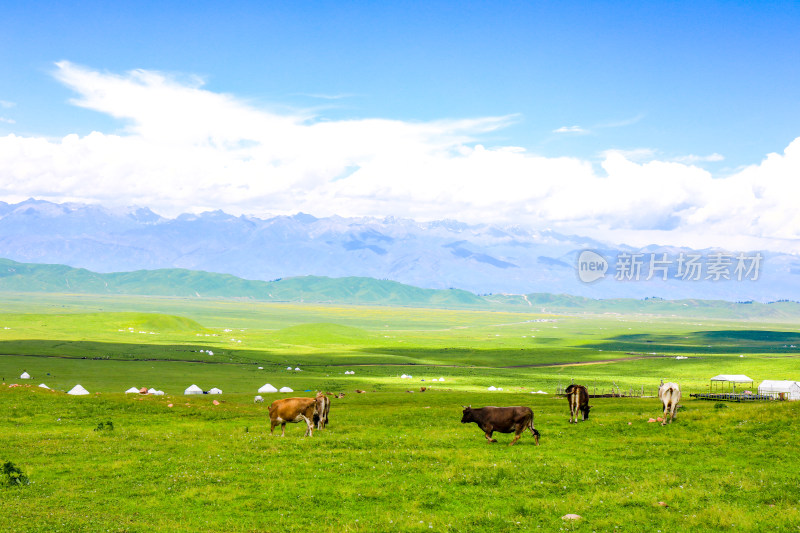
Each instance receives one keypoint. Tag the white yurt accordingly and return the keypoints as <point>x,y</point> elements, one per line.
<point>492,388</point>
<point>132,390</point>
<point>158,393</point>
<point>24,375</point>
<point>43,386</point>
<point>267,388</point>
<point>78,390</point>
<point>194,389</point>
<point>151,390</point>
<point>297,369</point>
<point>286,389</point>
<point>788,390</point>
<point>215,391</point>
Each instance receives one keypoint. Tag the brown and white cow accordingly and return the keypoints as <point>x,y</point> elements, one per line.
<point>578,398</point>
<point>670,395</point>
<point>503,419</point>
<point>323,408</point>
<point>292,410</point>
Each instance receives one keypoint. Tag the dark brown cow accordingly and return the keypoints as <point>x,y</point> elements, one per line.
<point>503,419</point>
<point>292,410</point>
<point>323,408</point>
<point>578,398</point>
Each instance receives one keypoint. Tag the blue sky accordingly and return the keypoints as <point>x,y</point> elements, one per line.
<point>632,120</point>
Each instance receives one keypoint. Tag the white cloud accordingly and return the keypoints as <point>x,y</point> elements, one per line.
<point>691,159</point>
<point>185,148</point>
<point>570,129</point>
<point>6,104</point>
<point>8,120</point>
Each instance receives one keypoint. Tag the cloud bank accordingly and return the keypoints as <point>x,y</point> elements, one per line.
<point>184,148</point>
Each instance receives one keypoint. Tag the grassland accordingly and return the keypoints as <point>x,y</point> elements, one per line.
<point>390,460</point>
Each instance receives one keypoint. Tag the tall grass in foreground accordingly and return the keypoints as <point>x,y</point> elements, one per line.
<point>393,462</point>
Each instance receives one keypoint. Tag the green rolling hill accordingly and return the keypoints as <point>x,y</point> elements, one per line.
<point>30,277</point>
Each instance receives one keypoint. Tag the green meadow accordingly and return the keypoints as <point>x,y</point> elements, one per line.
<point>394,458</point>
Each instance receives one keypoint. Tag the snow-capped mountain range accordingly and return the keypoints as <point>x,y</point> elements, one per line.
<point>442,254</point>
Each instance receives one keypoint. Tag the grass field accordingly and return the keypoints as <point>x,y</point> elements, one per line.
<point>390,460</point>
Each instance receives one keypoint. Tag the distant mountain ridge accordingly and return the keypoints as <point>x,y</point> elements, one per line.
<point>21,277</point>
<point>480,259</point>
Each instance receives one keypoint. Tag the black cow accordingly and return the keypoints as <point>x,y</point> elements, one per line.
<point>503,419</point>
<point>578,398</point>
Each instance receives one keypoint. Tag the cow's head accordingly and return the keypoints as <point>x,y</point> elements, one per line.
<point>467,414</point>
<point>585,411</point>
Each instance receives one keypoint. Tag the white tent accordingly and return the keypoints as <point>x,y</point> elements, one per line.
<point>735,378</point>
<point>158,393</point>
<point>215,391</point>
<point>43,386</point>
<point>132,390</point>
<point>78,390</point>
<point>194,389</point>
<point>297,369</point>
<point>286,389</point>
<point>267,388</point>
<point>492,387</point>
<point>789,390</point>
<point>151,390</point>
<point>727,382</point>
<point>24,375</point>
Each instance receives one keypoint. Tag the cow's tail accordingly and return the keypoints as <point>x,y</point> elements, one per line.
<point>534,431</point>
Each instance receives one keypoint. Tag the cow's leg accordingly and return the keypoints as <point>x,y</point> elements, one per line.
<point>309,427</point>
<point>519,429</point>
<point>666,413</point>
<point>283,429</point>
<point>489,436</point>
